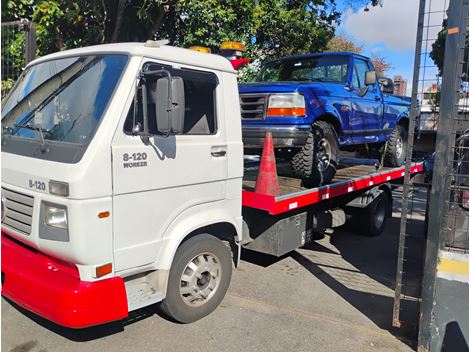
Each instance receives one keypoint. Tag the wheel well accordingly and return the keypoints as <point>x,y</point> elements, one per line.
<point>388,192</point>
<point>224,231</point>
<point>405,121</point>
<point>333,121</point>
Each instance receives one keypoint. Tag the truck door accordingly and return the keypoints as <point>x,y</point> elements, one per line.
<point>154,183</point>
<point>366,105</point>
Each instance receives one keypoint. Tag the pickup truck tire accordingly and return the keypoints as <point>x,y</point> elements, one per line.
<point>199,278</point>
<point>395,149</point>
<point>316,162</point>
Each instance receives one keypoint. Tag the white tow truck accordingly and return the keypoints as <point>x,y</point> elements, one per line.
<point>123,185</point>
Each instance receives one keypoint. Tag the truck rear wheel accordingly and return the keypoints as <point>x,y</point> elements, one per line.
<point>316,162</point>
<point>373,218</point>
<point>199,278</point>
<point>395,149</point>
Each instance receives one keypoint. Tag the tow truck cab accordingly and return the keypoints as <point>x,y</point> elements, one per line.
<point>101,185</point>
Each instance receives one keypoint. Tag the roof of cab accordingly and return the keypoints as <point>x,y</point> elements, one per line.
<point>158,51</point>
<point>325,53</point>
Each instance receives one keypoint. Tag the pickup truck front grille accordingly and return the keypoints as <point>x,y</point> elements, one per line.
<point>18,211</point>
<point>253,106</point>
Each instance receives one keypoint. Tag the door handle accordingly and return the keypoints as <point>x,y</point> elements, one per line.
<point>377,98</point>
<point>218,151</point>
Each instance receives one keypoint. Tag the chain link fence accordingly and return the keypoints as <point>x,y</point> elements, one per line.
<point>18,48</point>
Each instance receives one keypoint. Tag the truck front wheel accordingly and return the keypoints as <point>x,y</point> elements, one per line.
<point>395,149</point>
<point>316,162</point>
<point>199,278</point>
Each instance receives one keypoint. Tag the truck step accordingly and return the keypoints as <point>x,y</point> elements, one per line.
<point>141,294</point>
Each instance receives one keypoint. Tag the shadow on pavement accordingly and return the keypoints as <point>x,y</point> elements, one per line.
<point>373,262</point>
<point>91,333</point>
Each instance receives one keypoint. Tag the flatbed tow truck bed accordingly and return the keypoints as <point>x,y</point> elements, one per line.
<point>293,195</point>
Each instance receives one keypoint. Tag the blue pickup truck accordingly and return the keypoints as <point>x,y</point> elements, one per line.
<point>318,104</point>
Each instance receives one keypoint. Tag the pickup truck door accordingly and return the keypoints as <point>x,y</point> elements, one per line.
<point>156,182</point>
<point>366,105</point>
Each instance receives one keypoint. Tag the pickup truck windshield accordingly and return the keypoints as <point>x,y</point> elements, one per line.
<point>62,100</point>
<point>322,68</point>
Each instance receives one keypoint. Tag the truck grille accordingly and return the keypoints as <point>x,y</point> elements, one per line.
<point>18,211</point>
<point>253,106</point>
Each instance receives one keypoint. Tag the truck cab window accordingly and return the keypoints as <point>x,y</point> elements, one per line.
<point>200,103</point>
<point>359,73</point>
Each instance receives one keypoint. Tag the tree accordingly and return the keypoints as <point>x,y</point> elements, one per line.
<point>271,27</point>
<point>343,43</point>
<point>381,65</point>
<point>438,50</point>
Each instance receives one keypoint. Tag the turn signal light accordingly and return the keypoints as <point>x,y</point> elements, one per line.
<point>103,214</point>
<point>286,112</point>
<point>104,270</point>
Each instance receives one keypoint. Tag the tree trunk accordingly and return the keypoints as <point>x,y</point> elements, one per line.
<point>162,10</point>
<point>122,4</point>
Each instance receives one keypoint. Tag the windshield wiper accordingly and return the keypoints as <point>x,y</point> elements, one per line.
<point>40,129</point>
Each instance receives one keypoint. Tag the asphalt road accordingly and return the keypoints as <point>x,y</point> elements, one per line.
<point>334,295</point>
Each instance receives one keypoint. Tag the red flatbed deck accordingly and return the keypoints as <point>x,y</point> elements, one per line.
<point>293,195</point>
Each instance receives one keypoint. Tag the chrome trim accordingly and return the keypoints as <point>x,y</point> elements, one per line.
<point>283,136</point>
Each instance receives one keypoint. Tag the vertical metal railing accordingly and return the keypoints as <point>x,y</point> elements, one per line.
<point>448,201</point>
<point>414,113</point>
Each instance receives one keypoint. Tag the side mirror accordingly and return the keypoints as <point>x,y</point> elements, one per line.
<point>170,105</point>
<point>370,78</point>
<point>386,85</point>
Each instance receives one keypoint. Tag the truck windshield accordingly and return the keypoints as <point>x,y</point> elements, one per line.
<point>322,68</point>
<point>62,100</point>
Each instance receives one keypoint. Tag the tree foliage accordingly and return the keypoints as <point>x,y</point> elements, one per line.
<point>381,64</point>
<point>343,43</point>
<point>439,47</point>
<point>271,27</point>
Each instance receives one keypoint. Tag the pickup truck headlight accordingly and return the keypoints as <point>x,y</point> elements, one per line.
<point>55,216</point>
<point>291,104</point>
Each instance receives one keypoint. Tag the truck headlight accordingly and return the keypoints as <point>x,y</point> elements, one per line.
<point>290,104</point>
<point>55,216</point>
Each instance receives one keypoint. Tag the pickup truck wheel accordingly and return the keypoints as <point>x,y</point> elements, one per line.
<point>395,150</point>
<point>199,278</point>
<point>316,162</point>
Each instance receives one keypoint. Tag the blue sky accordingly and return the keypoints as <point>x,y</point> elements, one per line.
<point>389,31</point>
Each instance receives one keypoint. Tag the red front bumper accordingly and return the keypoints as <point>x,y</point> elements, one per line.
<point>54,291</point>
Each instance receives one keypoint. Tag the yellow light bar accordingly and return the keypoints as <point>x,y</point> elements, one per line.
<point>201,49</point>
<point>233,46</point>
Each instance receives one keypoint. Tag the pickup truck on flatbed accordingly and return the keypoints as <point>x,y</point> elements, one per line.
<point>318,104</point>
<point>123,185</point>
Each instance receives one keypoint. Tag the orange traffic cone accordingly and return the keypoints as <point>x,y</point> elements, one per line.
<point>267,182</point>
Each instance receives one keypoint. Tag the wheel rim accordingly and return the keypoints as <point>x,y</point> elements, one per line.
<point>399,146</point>
<point>200,279</point>
<point>379,214</point>
<point>323,154</point>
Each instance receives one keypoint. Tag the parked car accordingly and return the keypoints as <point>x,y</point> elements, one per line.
<point>318,104</point>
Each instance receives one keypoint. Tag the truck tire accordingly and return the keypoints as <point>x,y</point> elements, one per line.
<point>395,149</point>
<point>372,219</point>
<point>316,162</point>
<point>199,278</point>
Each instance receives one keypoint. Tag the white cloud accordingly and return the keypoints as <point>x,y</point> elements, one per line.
<point>376,50</point>
<point>394,24</point>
